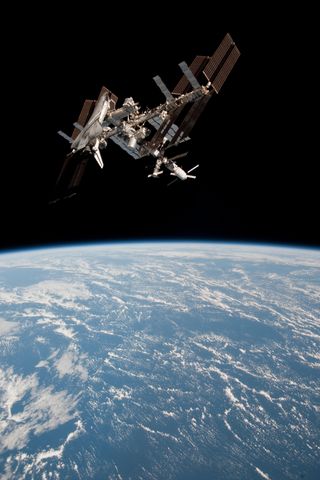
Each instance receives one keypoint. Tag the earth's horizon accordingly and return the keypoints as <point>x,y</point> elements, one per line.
<point>160,360</point>
<point>160,242</point>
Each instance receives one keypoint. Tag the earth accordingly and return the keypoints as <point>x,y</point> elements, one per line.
<point>160,361</point>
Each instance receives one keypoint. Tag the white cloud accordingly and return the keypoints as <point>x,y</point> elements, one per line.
<point>67,332</point>
<point>58,452</point>
<point>7,327</point>
<point>232,399</point>
<point>120,393</point>
<point>40,339</point>
<point>117,299</point>
<point>230,395</point>
<point>42,408</point>
<point>72,362</point>
<point>157,432</point>
<point>48,293</point>
<point>38,462</point>
<point>263,474</point>
<point>42,364</point>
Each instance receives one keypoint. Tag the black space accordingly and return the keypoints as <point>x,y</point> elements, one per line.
<point>257,179</point>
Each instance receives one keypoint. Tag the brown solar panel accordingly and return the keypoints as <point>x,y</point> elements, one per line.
<point>161,133</point>
<point>226,68</point>
<point>165,127</point>
<point>64,168</point>
<point>78,174</point>
<point>112,96</point>
<point>196,67</point>
<point>218,56</point>
<point>86,111</point>
<point>190,119</point>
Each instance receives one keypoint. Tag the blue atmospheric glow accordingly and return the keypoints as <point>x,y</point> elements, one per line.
<point>155,241</point>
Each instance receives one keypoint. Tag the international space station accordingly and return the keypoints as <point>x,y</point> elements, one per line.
<point>151,132</point>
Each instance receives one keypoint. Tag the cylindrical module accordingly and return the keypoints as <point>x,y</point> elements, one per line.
<point>132,142</point>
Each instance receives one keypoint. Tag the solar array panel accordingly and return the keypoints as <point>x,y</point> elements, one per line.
<point>189,75</point>
<point>190,119</point>
<point>163,87</point>
<point>78,174</point>
<point>218,56</point>
<point>166,127</point>
<point>226,68</point>
<point>64,168</point>
<point>156,123</point>
<point>85,113</point>
<point>196,67</point>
